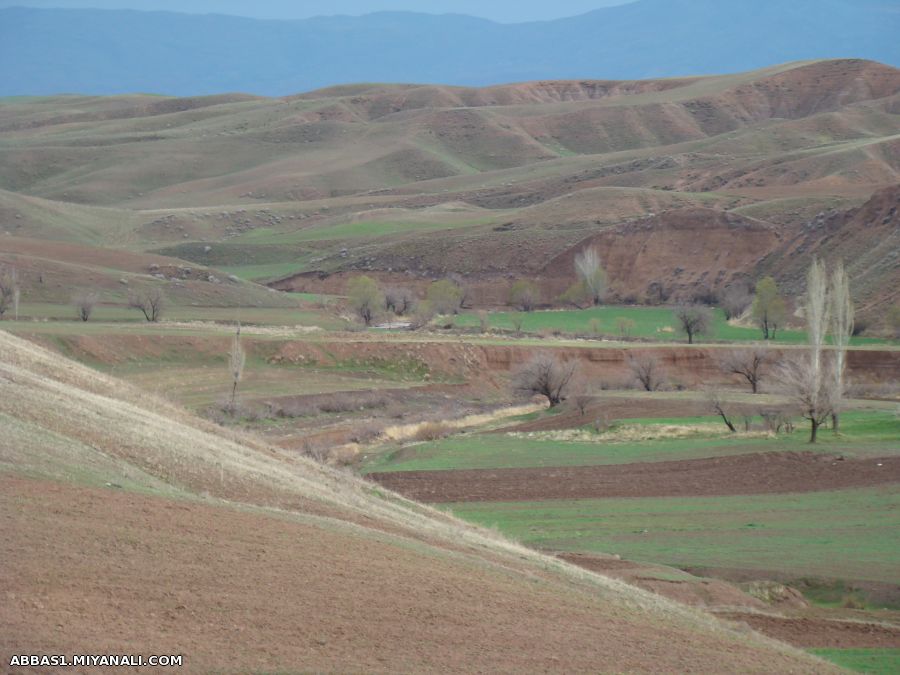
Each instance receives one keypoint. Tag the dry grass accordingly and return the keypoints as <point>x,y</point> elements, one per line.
<point>633,433</point>
<point>405,432</point>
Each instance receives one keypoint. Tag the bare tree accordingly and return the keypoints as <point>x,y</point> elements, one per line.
<point>591,274</point>
<point>751,364</point>
<point>545,375</point>
<point>735,300</point>
<point>647,371</point>
<point>399,300</point>
<point>806,379</point>
<point>719,406</point>
<point>769,308</point>
<point>236,360</point>
<point>151,302</point>
<point>809,389</point>
<point>9,290</point>
<point>84,304</point>
<point>841,331</point>
<point>694,320</point>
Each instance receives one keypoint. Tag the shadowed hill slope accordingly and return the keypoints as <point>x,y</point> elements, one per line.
<point>289,552</point>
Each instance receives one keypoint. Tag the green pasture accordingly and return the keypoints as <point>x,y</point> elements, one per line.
<point>871,661</point>
<point>844,534</point>
<point>353,230</point>
<point>657,323</point>
<point>864,433</point>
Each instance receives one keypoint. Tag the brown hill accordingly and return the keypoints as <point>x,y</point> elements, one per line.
<point>363,177</point>
<point>866,238</point>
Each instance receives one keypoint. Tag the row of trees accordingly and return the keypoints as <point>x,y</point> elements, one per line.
<point>813,378</point>
<point>151,302</point>
<point>370,302</point>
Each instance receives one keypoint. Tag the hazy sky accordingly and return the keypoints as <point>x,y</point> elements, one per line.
<point>498,10</point>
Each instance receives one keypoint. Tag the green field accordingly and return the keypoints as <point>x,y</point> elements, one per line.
<point>353,230</point>
<point>873,433</point>
<point>650,322</point>
<point>848,534</point>
<point>871,661</point>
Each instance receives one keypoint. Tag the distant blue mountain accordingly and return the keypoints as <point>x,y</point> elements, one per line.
<point>102,52</point>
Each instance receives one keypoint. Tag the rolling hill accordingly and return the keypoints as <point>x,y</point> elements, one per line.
<point>412,182</point>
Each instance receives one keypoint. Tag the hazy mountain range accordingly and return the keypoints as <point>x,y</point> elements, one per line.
<point>46,51</point>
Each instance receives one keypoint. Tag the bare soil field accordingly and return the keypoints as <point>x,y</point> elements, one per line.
<point>810,632</point>
<point>762,473</point>
<point>108,571</point>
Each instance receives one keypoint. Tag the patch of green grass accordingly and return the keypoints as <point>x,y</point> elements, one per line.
<point>847,534</point>
<point>872,433</point>
<point>649,322</point>
<point>871,661</point>
<point>354,230</point>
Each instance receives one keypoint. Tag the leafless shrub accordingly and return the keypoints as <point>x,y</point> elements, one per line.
<point>647,371</point>
<point>315,450</point>
<point>352,401</point>
<point>517,320</point>
<point>545,375</point>
<point>602,424</point>
<point>84,304</point>
<point>151,302</point>
<point>625,326</point>
<point>432,431</point>
<point>751,364</point>
<point>362,434</point>
<point>777,420</point>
